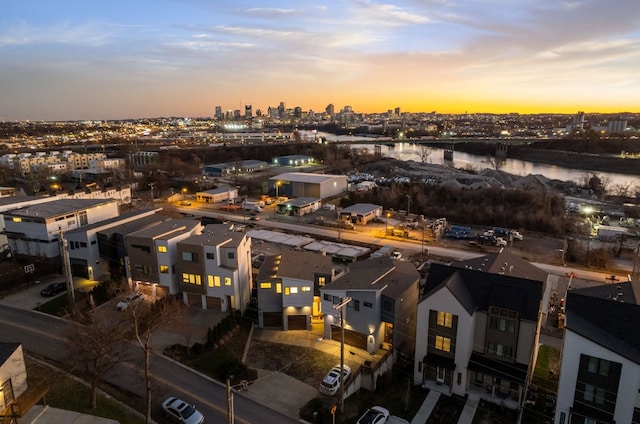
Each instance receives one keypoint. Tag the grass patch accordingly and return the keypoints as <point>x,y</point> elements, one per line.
<point>447,410</point>
<point>59,306</point>
<point>548,359</point>
<point>69,394</point>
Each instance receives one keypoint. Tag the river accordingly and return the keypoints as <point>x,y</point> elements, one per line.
<point>411,151</point>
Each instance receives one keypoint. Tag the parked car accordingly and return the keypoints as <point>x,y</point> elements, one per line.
<point>516,235</point>
<point>331,382</point>
<point>53,289</point>
<point>374,415</point>
<point>396,255</point>
<point>185,203</point>
<point>500,242</point>
<point>129,300</point>
<point>254,218</point>
<point>181,412</point>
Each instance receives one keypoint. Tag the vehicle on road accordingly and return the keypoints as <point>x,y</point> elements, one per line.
<point>53,289</point>
<point>516,235</point>
<point>374,415</point>
<point>396,255</point>
<point>181,412</point>
<point>500,242</point>
<point>331,382</point>
<point>130,299</point>
<point>185,203</point>
<point>254,218</point>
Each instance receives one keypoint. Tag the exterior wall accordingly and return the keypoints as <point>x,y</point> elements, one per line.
<point>366,320</point>
<point>443,300</point>
<point>332,187</point>
<point>14,369</point>
<point>404,323</point>
<point>83,246</point>
<point>142,259</point>
<point>527,341</point>
<point>575,345</point>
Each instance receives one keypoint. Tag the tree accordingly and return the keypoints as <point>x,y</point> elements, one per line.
<point>96,346</point>
<point>424,152</point>
<point>147,317</point>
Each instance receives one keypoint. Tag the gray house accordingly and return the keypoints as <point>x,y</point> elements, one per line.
<point>382,310</point>
<point>288,289</point>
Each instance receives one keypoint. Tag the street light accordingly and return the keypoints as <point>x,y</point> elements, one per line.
<point>275,207</point>
<point>386,224</point>
<point>340,307</point>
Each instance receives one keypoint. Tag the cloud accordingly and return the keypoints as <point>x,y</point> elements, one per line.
<point>265,12</point>
<point>388,14</point>
<point>93,34</point>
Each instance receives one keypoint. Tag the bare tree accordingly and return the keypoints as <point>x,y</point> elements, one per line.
<point>494,163</point>
<point>148,317</point>
<point>424,152</point>
<point>96,346</point>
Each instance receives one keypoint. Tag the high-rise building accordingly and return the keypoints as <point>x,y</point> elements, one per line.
<point>218,114</point>
<point>281,110</point>
<point>248,113</point>
<point>330,109</point>
<point>236,114</point>
<point>397,112</point>
<point>297,112</point>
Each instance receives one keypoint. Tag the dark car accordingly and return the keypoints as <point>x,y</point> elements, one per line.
<point>53,289</point>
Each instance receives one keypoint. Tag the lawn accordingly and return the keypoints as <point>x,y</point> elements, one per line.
<point>67,393</point>
<point>548,359</point>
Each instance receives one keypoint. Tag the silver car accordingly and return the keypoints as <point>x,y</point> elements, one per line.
<point>182,412</point>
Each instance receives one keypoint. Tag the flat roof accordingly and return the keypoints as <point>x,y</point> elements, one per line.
<point>301,201</point>
<point>109,222</point>
<point>218,190</point>
<point>361,208</point>
<point>304,177</point>
<point>58,207</point>
<point>170,227</point>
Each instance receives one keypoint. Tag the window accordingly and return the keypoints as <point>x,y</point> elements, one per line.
<point>443,343</point>
<point>162,249</point>
<point>146,249</point>
<point>287,291</point>
<point>193,279</point>
<point>335,300</point>
<point>142,268</point>
<point>598,366</point>
<point>164,269</point>
<point>593,394</point>
<point>322,281</point>
<point>210,280</point>
<point>356,305</point>
<point>227,281</point>
<point>502,324</point>
<point>265,285</point>
<point>16,219</point>
<point>211,255</point>
<point>445,319</point>
<point>500,350</point>
<point>327,297</point>
<point>231,255</point>
<point>279,288</point>
<point>367,304</point>
<point>386,305</point>
<point>189,256</point>
<point>479,377</point>
<point>216,281</point>
<point>294,290</point>
<point>306,288</point>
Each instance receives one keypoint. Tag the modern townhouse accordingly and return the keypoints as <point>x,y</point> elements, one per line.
<point>35,231</point>
<point>84,247</point>
<point>214,268</point>
<point>153,254</point>
<point>381,312</point>
<point>288,287</point>
<point>599,379</point>
<point>477,332</point>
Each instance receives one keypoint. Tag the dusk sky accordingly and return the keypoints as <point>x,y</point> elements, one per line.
<point>94,59</point>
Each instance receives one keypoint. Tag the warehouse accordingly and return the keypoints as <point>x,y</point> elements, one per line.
<point>301,184</point>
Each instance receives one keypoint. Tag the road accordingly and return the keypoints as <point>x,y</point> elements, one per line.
<point>43,335</point>
<point>411,247</point>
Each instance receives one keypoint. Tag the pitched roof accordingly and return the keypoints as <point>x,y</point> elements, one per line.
<point>608,319</point>
<point>477,290</point>
<point>504,263</point>
<point>6,350</point>
<point>300,265</point>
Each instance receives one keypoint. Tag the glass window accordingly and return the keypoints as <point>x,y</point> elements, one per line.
<point>164,269</point>
<point>443,343</point>
<point>294,290</point>
<point>445,319</point>
<point>306,288</point>
<point>589,392</point>
<point>356,305</point>
<point>162,249</point>
<point>321,281</point>
<point>604,367</point>
<point>210,280</point>
<point>593,365</point>
<point>211,255</point>
<point>367,304</point>
<point>231,255</point>
<point>287,291</point>
<point>227,281</point>
<point>278,288</point>
<point>326,297</point>
<point>265,285</point>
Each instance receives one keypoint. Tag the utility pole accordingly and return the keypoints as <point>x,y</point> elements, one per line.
<point>408,205</point>
<point>340,307</point>
<point>152,186</point>
<point>66,263</point>
<point>229,403</point>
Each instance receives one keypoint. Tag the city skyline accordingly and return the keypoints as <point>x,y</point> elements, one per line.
<point>118,60</point>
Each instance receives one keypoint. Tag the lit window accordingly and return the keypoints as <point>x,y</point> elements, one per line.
<point>227,281</point>
<point>278,288</point>
<point>287,291</point>
<point>216,281</point>
<point>164,269</point>
<point>16,219</point>
<point>265,285</point>
<point>192,279</point>
<point>306,288</point>
<point>321,281</point>
<point>162,249</point>
<point>443,343</point>
<point>445,319</point>
<point>210,280</point>
<point>294,290</point>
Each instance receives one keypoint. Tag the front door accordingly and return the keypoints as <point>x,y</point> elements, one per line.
<point>440,375</point>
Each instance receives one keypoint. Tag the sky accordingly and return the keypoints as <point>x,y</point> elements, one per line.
<point>99,59</point>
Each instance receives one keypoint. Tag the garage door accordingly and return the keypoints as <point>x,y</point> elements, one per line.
<point>351,338</point>
<point>194,300</point>
<point>214,303</point>
<point>297,322</point>
<point>272,319</point>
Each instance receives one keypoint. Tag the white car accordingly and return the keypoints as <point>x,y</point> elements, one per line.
<point>516,235</point>
<point>374,415</point>
<point>396,255</point>
<point>331,382</point>
<point>129,300</point>
<point>181,412</point>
